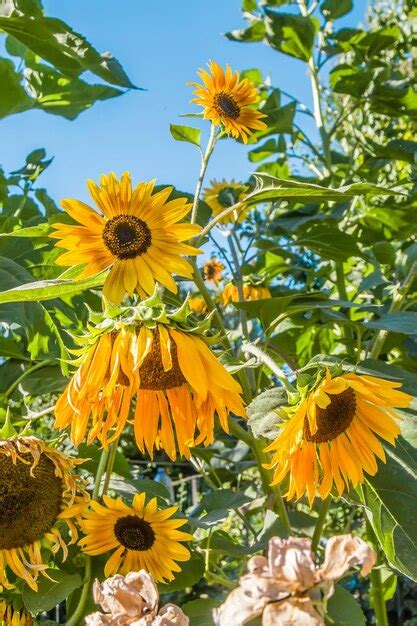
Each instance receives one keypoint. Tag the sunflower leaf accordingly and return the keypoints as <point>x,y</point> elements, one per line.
<point>50,592</point>
<point>186,133</point>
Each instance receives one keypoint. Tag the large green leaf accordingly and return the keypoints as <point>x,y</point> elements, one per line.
<point>329,242</point>
<point>344,610</point>
<point>401,322</point>
<point>333,9</point>
<point>269,188</point>
<point>390,498</point>
<point>200,611</point>
<point>291,34</point>
<point>49,289</point>
<point>192,572</point>
<point>50,592</point>
<point>68,51</point>
<point>262,417</point>
<point>13,96</point>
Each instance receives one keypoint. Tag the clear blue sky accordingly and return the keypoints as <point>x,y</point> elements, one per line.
<point>161,45</point>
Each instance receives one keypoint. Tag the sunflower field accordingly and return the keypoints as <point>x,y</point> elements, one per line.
<point>208,408</point>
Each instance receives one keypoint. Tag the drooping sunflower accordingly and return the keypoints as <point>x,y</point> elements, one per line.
<point>142,536</point>
<point>229,101</point>
<point>333,436</point>
<point>212,271</point>
<point>136,234</point>
<point>176,381</point>
<point>38,493</point>
<point>223,194</point>
<point>250,292</point>
<point>197,304</point>
<point>12,617</point>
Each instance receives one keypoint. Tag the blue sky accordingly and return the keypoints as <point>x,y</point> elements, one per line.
<point>161,45</point>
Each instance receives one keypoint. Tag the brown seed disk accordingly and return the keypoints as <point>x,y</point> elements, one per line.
<point>127,236</point>
<point>29,505</point>
<point>134,533</point>
<point>226,105</point>
<point>334,419</point>
<point>151,372</point>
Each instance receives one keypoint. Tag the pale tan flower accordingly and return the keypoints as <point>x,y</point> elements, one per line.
<point>132,600</point>
<point>288,588</point>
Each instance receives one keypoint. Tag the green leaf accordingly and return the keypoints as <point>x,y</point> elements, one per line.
<point>269,188</point>
<point>344,610</point>
<point>333,9</point>
<point>400,150</point>
<point>291,34</point>
<point>223,499</point>
<point>350,79</point>
<point>254,32</point>
<point>48,289</point>
<point>50,592</point>
<point>262,417</point>
<point>57,43</point>
<point>402,322</point>
<point>61,95</point>
<point>41,230</point>
<point>390,498</point>
<point>191,573</point>
<point>13,96</point>
<point>186,133</point>
<point>200,611</point>
<point>329,242</point>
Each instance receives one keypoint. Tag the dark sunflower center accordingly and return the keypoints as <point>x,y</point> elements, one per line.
<point>127,236</point>
<point>227,197</point>
<point>210,270</point>
<point>29,505</point>
<point>152,374</point>
<point>134,533</point>
<point>334,419</point>
<point>226,105</point>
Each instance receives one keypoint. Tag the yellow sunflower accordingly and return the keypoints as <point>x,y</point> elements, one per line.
<point>212,271</point>
<point>135,233</point>
<point>142,537</point>
<point>333,435</point>
<point>229,101</point>
<point>38,492</point>
<point>222,195</point>
<point>177,382</point>
<point>250,292</point>
<point>197,304</point>
<point>11,617</point>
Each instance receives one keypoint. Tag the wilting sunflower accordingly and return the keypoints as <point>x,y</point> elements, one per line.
<point>142,536</point>
<point>333,435</point>
<point>136,234</point>
<point>12,617</point>
<point>197,304</point>
<point>250,292</point>
<point>176,381</point>
<point>212,271</point>
<point>229,101</point>
<point>223,194</point>
<point>38,493</point>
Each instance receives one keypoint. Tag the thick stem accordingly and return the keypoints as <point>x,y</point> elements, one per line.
<point>341,287</point>
<point>396,305</point>
<point>239,283</point>
<point>274,367</point>
<point>204,163</point>
<point>79,611</point>
<point>318,530</point>
<point>377,592</point>
<point>29,370</point>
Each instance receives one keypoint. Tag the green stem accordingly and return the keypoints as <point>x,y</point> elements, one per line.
<point>79,611</point>
<point>204,162</point>
<point>341,287</point>
<point>109,468</point>
<point>274,367</point>
<point>318,530</point>
<point>396,305</point>
<point>377,592</point>
<point>27,371</point>
<point>239,283</point>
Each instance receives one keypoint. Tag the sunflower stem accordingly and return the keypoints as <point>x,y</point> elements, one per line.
<point>109,467</point>
<point>204,162</point>
<point>79,611</point>
<point>397,302</point>
<point>29,370</point>
<point>341,288</point>
<point>274,367</point>
<point>377,592</point>
<point>321,520</point>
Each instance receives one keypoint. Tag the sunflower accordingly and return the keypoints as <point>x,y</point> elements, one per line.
<point>38,492</point>
<point>212,271</point>
<point>136,234</point>
<point>250,292</point>
<point>142,536</point>
<point>229,101</point>
<point>222,195</point>
<point>11,617</point>
<point>333,435</point>
<point>197,304</point>
<point>177,382</point>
